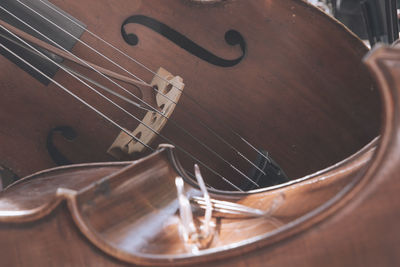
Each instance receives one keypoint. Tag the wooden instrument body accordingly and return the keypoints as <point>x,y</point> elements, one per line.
<point>117,208</point>
<point>286,80</point>
<point>343,216</point>
<point>346,215</point>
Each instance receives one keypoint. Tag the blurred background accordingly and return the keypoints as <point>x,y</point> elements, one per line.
<point>372,20</point>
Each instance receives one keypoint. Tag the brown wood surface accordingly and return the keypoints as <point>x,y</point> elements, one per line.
<point>118,214</point>
<point>301,92</point>
<point>345,216</point>
<point>123,213</point>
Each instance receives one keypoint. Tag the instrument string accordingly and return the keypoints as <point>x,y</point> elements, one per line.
<point>72,94</point>
<point>82,76</point>
<point>97,111</point>
<point>221,122</point>
<point>93,82</point>
<point>169,99</point>
<point>233,167</point>
<point>110,91</point>
<point>155,110</point>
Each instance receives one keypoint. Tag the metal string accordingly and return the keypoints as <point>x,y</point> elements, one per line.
<point>184,93</point>
<point>93,82</point>
<point>97,111</point>
<point>83,77</point>
<point>72,94</point>
<point>172,101</point>
<point>84,62</point>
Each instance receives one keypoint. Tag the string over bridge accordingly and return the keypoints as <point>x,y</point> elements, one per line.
<point>169,90</point>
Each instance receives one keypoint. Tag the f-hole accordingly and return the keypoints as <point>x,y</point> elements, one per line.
<point>69,134</point>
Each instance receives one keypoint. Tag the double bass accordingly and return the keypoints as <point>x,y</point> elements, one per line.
<point>290,104</point>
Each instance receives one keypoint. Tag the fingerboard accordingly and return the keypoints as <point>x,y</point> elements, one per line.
<point>23,11</point>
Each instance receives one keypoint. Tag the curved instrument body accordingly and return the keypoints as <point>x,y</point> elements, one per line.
<point>117,208</point>
<point>258,72</point>
<point>110,214</point>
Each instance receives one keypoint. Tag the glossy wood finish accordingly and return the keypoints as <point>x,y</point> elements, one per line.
<point>116,214</point>
<point>344,216</point>
<point>363,229</point>
<point>125,215</point>
<point>300,92</point>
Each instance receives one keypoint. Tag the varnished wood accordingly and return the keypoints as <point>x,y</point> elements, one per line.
<point>111,210</point>
<point>124,213</point>
<point>345,215</point>
<point>301,92</point>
